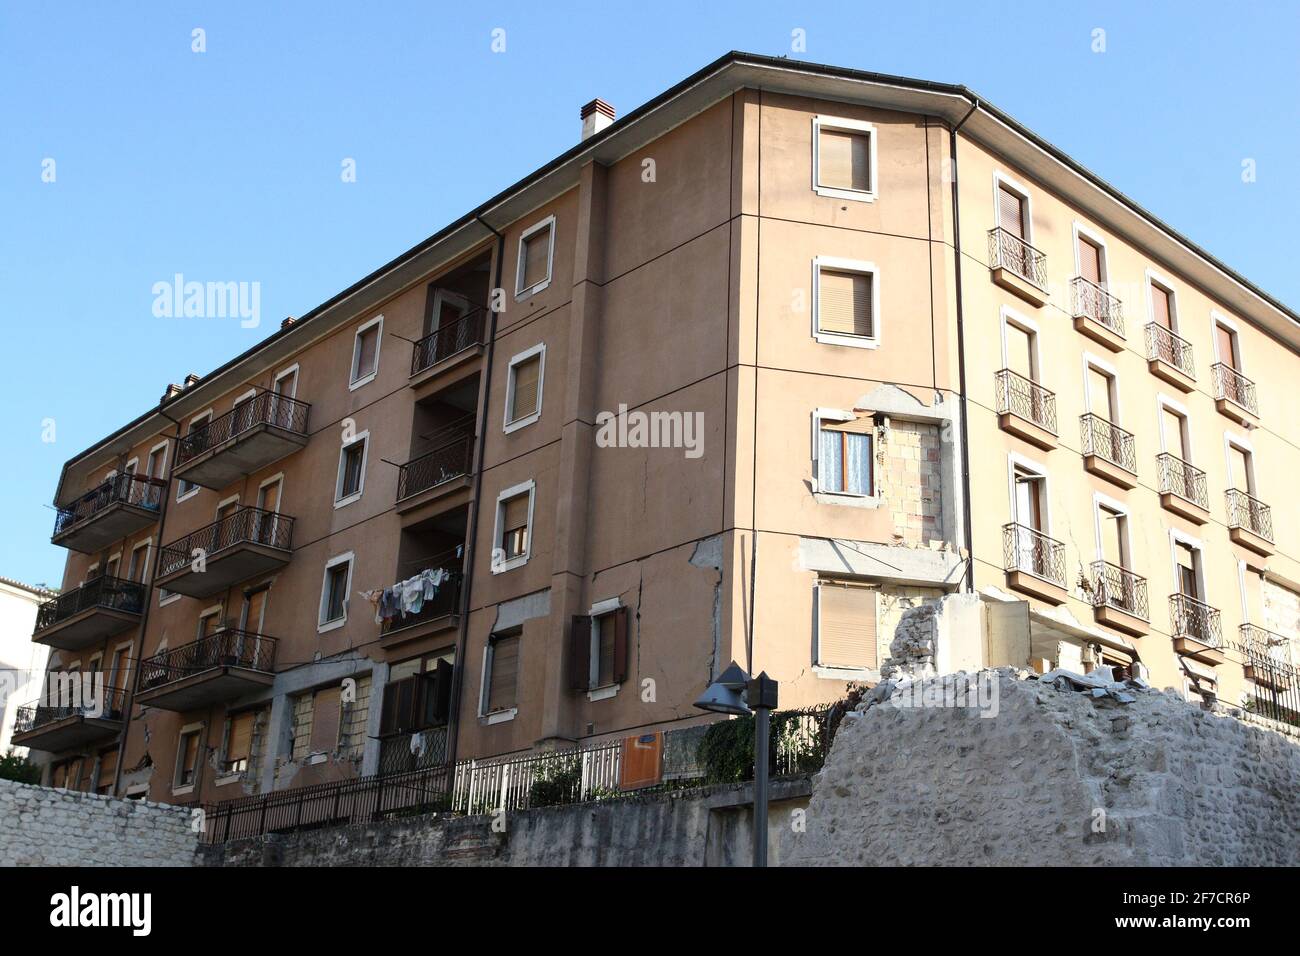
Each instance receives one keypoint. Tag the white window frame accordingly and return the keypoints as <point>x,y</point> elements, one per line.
<point>1096,238</point>
<point>498,544</point>
<point>1163,402</point>
<point>166,597</point>
<point>1009,316</point>
<point>266,483</point>
<point>1232,440</point>
<point>597,691</point>
<point>847,126</point>
<point>340,500</point>
<point>1001,179</point>
<point>1156,278</point>
<point>833,671</point>
<point>1176,538</point>
<point>144,546</point>
<point>194,728</point>
<point>1037,469</point>
<point>162,470</point>
<point>285,373</point>
<point>520,291</point>
<point>1091,362</point>
<point>1218,319</point>
<point>1102,502</point>
<point>820,415</point>
<point>243,397</point>
<point>181,493</point>
<point>485,686</point>
<point>859,266</point>
<point>323,625</point>
<point>525,355</point>
<point>215,610</point>
<point>353,381</point>
<point>441,295</point>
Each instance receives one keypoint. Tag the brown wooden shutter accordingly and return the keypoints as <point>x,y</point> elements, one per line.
<point>1089,261</point>
<point>846,626</point>
<point>620,645</point>
<point>439,710</point>
<point>527,374</point>
<point>580,652</point>
<point>325,720</point>
<point>1011,212</point>
<point>240,744</point>
<point>107,768</point>
<point>844,303</point>
<point>844,160</point>
<point>1227,348</point>
<point>505,673</point>
<point>537,253</point>
<point>1161,312</point>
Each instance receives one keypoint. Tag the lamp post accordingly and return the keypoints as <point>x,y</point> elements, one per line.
<point>724,696</point>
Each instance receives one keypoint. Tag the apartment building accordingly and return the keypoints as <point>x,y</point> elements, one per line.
<point>22,663</point>
<point>757,372</point>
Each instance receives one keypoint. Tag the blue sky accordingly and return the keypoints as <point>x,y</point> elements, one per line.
<point>225,165</point>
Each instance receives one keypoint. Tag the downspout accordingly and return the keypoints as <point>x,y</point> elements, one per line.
<point>458,671</point>
<point>961,350</point>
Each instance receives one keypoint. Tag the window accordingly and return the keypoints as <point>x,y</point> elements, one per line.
<point>1164,306</point>
<point>107,770</point>
<point>536,254</point>
<point>1175,438</point>
<point>1112,532</point>
<point>187,757</point>
<point>1013,209</point>
<point>334,592</point>
<point>1226,345</point>
<point>210,622</point>
<point>1028,497</point>
<point>524,388</point>
<point>844,159</point>
<point>843,453</point>
<point>599,649</point>
<point>1189,577</point>
<point>138,566</point>
<point>283,390</point>
<point>155,466</point>
<point>365,352</point>
<point>846,302</point>
<point>846,626</point>
<point>513,524</point>
<point>1100,389</point>
<point>501,675</point>
<point>352,470</point>
<point>1241,465</point>
<point>1090,256</point>
<point>185,489</point>
<point>238,748</point>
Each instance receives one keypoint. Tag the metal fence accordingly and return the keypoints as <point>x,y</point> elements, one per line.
<point>445,602</point>
<point>1196,620</point>
<point>1273,688</point>
<point>447,461</point>
<point>1026,549</point>
<point>1117,587</point>
<point>101,703</point>
<point>1025,399</point>
<point>226,648</point>
<point>1247,511</point>
<point>138,490</point>
<point>1180,478</point>
<point>1009,251</point>
<point>244,525</point>
<point>265,408</point>
<point>1094,302</point>
<point>1169,347</point>
<point>116,594</point>
<point>448,340</point>
<point>1232,385</point>
<point>1107,440</point>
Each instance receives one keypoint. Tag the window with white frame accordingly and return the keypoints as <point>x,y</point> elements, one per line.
<point>846,625</point>
<point>1241,464</point>
<point>1175,435</point>
<point>513,537</point>
<point>351,478</point>
<point>237,748</point>
<point>334,592</point>
<point>844,158</point>
<point>1013,208</point>
<point>536,258</point>
<point>187,756</point>
<point>1090,256</point>
<point>365,352</point>
<point>184,489</point>
<point>1163,302</point>
<point>843,453</point>
<point>846,302</point>
<point>500,674</point>
<point>599,650</point>
<point>524,387</point>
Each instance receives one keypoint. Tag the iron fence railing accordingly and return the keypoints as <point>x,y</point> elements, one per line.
<point>1169,347</point>
<point>413,751</point>
<point>446,601</point>
<point>1180,478</point>
<point>1273,690</point>
<point>1025,399</point>
<point>230,647</point>
<point>1094,302</point>
<point>448,340</point>
<point>1120,588</point>
<point>1107,440</point>
<point>448,461</point>
<point>1248,512</point>
<point>1009,251</point>
<point>138,490</point>
<point>244,525</point>
<point>105,703</point>
<point>265,408</point>
<point>115,594</point>
<point>1232,385</point>
<point>1196,620</point>
<point>1025,549</point>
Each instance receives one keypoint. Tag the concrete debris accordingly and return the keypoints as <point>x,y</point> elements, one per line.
<point>1099,683</point>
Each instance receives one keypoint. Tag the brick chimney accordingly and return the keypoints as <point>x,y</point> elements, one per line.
<point>172,391</point>
<point>596,115</point>
<point>190,380</point>
<point>288,321</point>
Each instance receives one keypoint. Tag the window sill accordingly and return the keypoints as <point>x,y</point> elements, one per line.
<point>849,341</point>
<point>228,779</point>
<point>835,192</point>
<point>181,791</point>
<point>848,501</point>
<point>331,625</point>
<point>188,495</point>
<point>510,564</point>
<point>522,423</point>
<point>344,502</point>
<point>845,673</point>
<point>532,290</point>
<point>363,380</point>
<point>316,758</point>
<point>498,717</point>
<point>169,599</point>
<point>603,693</point>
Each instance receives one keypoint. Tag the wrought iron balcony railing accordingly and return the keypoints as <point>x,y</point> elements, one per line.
<point>1117,587</point>
<point>1009,251</point>
<point>1232,385</point>
<point>1107,440</point>
<point>1170,348</point>
<point>1094,302</point>
<point>116,594</point>
<point>245,525</point>
<point>137,490</point>
<point>448,340</point>
<point>265,408</point>
<point>1025,549</point>
<point>1026,399</point>
<point>104,704</point>
<point>1248,512</point>
<point>450,460</point>
<point>445,602</point>
<point>1182,479</point>
<point>226,648</point>
<point>1196,620</point>
<point>1263,646</point>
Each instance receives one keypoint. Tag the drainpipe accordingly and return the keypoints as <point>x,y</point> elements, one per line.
<point>467,581</point>
<point>961,350</point>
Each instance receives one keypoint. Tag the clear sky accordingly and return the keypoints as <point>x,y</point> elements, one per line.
<point>226,165</point>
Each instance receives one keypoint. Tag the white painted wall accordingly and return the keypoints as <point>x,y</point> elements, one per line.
<point>22,663</point>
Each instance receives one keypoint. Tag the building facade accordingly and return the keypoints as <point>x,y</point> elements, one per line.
<point>22,662</point>
<point>766,371</point>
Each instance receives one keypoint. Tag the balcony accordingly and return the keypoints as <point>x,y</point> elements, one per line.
<point>437,481</point>
<point>1234,395</point>
<point>85,616</point>
<point>1169,356</point>
<point>1017,266</point>
<point>245,543</point>
<point>1250,522</point>
<point>215,669</point>
<point>448,353</point>
<point>121,506</point>
<point>1026,409</point>
<point>76,719</point>
<point>1267,658</point>
<point>1197,629</point>
<point>1182,488</point>
<point>252,435</point>
<point>1035,563</point>
<point>439,613</point>
<point>1097,314</point>
<point>1108,451</point>
<point>1119,598</point>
